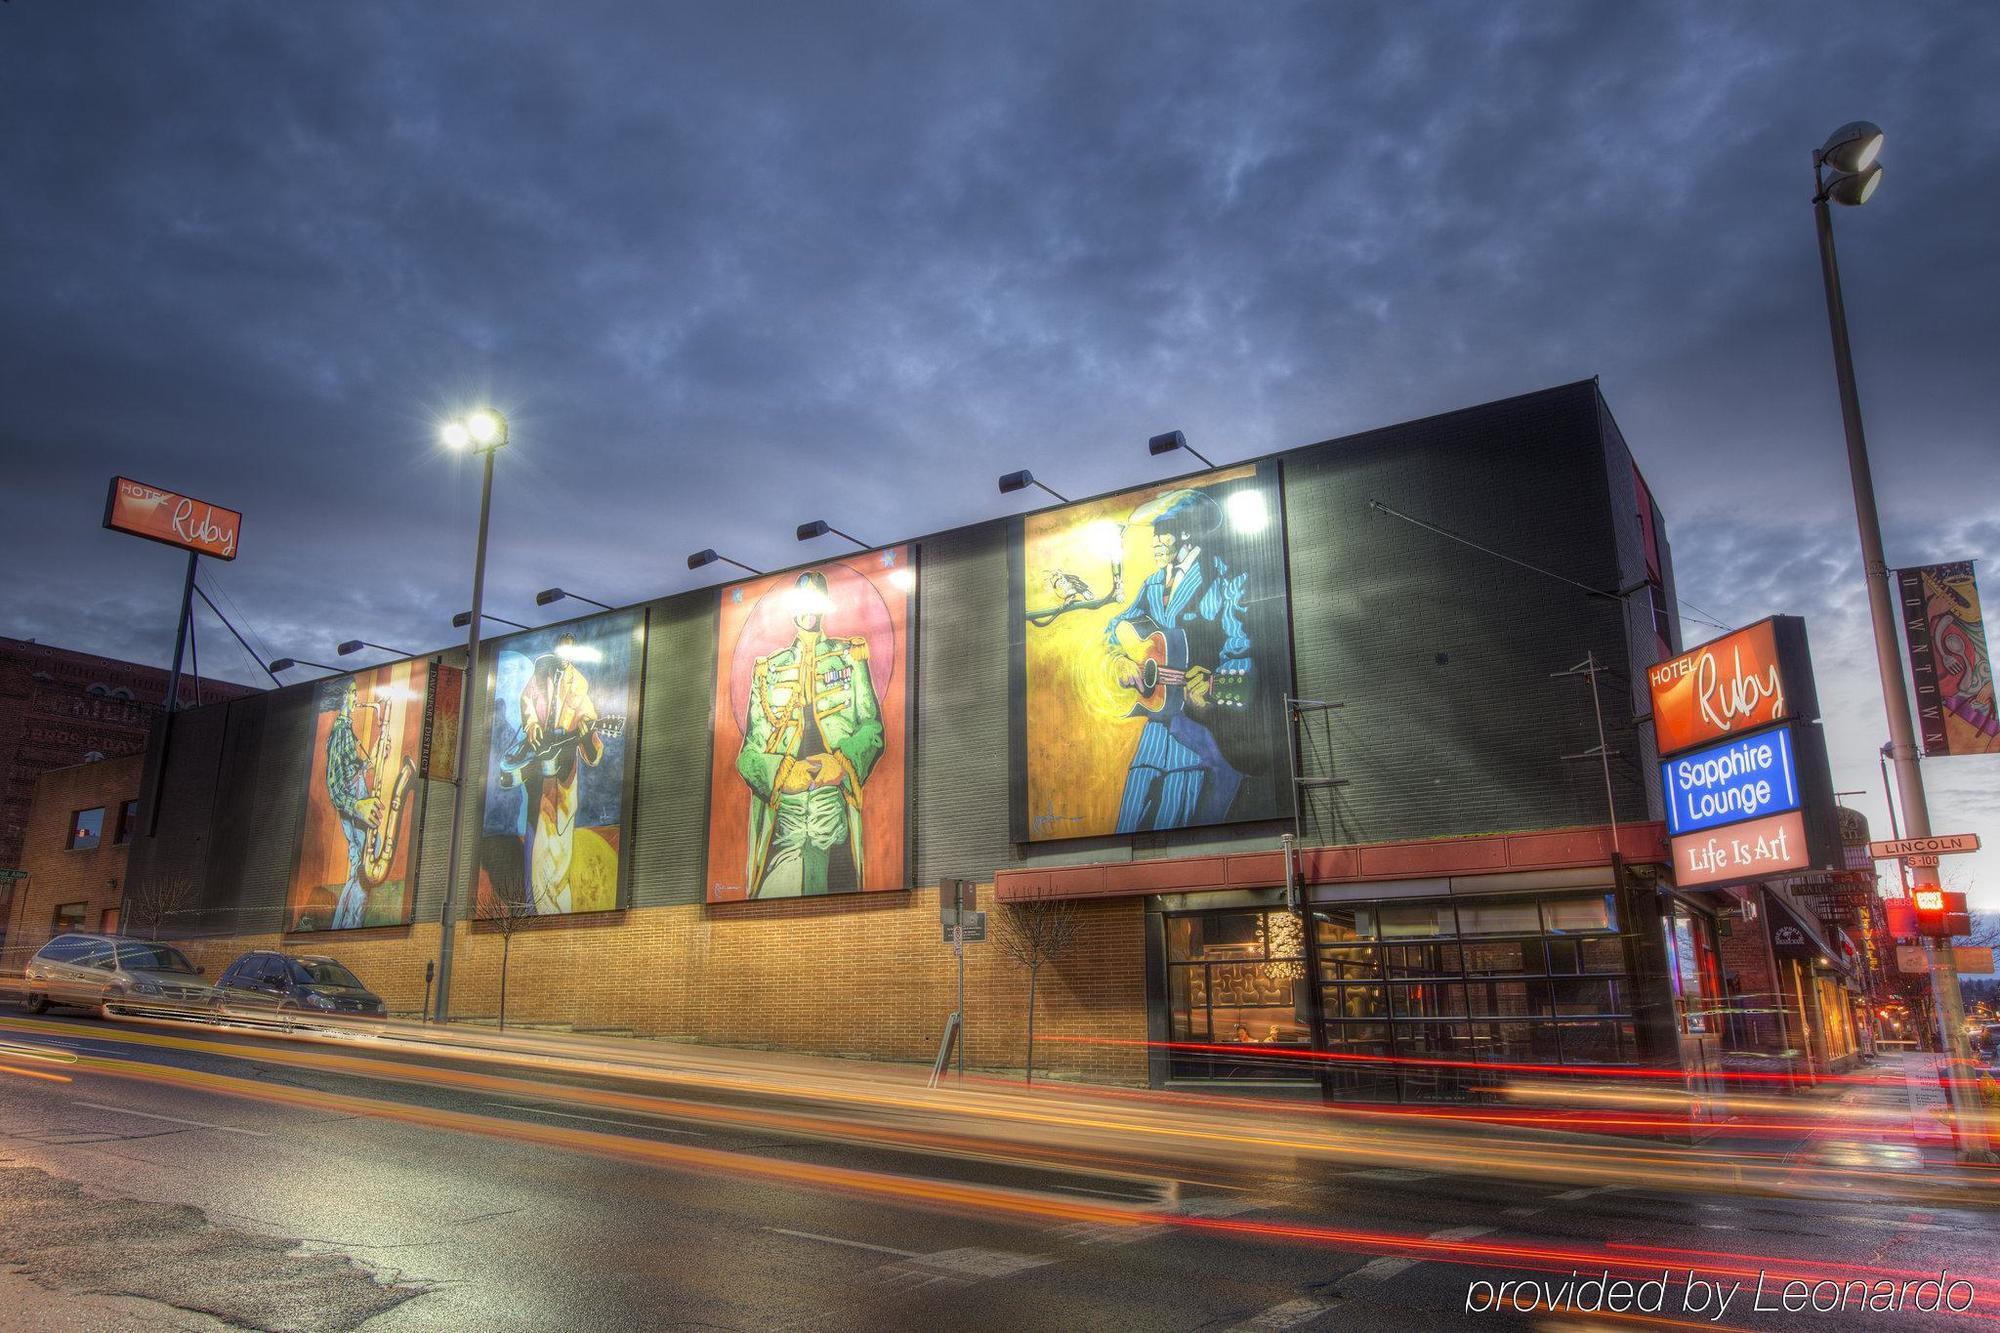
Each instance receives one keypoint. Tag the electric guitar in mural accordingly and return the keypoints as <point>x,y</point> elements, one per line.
<point>1161,677</point>
<point>521,756</point>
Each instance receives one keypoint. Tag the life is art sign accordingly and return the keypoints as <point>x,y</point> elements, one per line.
<point>1747,679</point>
<point>172,518</point>
<point>1772,845</point>
<point>1727,783</point>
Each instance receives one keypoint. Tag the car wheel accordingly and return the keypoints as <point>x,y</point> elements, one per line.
<point>35,1004</point>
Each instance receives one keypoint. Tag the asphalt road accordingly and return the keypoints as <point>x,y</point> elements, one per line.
<point>377,1202</point>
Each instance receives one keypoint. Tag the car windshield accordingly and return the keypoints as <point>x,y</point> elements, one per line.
<point>326,972</point>
<point>153,958</point>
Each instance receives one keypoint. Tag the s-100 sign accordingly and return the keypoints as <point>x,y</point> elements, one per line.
<point>1728,783</point>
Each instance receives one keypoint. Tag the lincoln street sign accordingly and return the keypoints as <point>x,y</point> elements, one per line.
<point>1945,843</point>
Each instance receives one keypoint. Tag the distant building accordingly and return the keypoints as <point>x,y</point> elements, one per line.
<point>59,708</point>
<point>80,827</point>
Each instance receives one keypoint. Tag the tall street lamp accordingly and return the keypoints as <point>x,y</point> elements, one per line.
<point>1845,171</point>
<point>484,432</point>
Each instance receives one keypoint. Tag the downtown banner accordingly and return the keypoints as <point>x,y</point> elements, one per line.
<point>1950,668</point>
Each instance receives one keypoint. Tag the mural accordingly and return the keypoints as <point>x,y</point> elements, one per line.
<point>1153,659</point>
<point>356,859</point>
<point>809,763</point>
<point>561,728</point>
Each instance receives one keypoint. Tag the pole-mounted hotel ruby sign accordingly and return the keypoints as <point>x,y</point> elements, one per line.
<point>1744,680</point>
<point>170,517</point>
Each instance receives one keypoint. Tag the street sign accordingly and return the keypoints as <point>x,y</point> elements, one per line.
<point>1977,960</point>
<point>955,896</point>
<point>1912,958</point>
<point>970,930</point>
<point>1921,862</point>
<point>13,874</point>
<point>1943,843</point>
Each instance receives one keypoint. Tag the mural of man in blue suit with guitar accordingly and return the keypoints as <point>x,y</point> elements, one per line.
<point>1187,655</point>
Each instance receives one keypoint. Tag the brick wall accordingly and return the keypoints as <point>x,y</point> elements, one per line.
<point>58,873</point>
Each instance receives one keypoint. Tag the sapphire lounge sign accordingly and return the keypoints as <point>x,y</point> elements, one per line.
<point>1724,784</point>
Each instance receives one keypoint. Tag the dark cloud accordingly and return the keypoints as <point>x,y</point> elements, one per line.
<point>729,267</point>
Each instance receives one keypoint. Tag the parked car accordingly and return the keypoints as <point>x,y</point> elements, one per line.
<point>291,988</point>
<point>115,975</point>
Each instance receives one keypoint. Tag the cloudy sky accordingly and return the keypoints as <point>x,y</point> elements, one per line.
<point>730,267</point>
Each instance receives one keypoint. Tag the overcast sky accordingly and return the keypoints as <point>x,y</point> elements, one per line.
<point>731,267</point>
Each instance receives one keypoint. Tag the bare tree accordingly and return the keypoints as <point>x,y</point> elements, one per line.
<point>148,906</point>
<point>506,918</point>
<point>1032,934</point>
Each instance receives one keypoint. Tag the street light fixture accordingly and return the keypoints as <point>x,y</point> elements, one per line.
<point>484,431</point>
<point>708,556</point>
<point>1020,481</point>
<point>464,618</point>
<point>548,595</point>
<point>819,527</point>
<point>287,663</point>
<point>353,646</point>
<point>1850,154</point>
<point>1172,440</point>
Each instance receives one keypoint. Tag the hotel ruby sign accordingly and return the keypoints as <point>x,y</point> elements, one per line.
<point>1744,680</point>
<point>172,518</point>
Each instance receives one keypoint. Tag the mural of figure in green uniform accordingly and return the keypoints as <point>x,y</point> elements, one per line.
<point>810,740</point>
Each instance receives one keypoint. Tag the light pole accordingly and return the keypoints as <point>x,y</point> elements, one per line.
<point>1022,480</point>
<point>464,618</point>
<point>819,527</point>
<point>484,432</point>
<point>287,663</point>
<point>1845,171</point>
<point>353,646</point>
<point>708,555</point>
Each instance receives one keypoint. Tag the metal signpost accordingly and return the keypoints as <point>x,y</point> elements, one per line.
<point>961,924</point>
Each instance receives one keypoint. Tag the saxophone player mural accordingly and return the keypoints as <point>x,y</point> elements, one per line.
<point>356,857</point>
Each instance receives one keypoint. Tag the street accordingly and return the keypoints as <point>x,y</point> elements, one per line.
<point>487,1182</point>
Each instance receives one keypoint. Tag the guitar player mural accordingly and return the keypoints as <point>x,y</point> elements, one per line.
<point>809,762</point>
<point>558,780</point>
<point>1154,659</point>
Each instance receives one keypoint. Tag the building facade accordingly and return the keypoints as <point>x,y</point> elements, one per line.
<point>74,850</point>
<point>59,708</point>
<point>726,814</point>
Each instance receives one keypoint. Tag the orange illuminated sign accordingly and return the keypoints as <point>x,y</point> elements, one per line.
<point>170,517</point>
<point>1744,680</point>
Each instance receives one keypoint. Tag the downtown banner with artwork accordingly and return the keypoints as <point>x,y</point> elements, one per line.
<point>357,856</point>
<point>1950,667</point>
<point>1152,657</point>
<point>561,747</point>
<point>809,766</point>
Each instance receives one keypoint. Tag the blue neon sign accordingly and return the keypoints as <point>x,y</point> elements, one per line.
<point>1746,778</point>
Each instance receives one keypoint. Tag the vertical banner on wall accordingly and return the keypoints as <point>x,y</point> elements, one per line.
<point>443,716</point>
<point>1152,657</point>
<point>561,745</point>
<point>809,773</point>
<point>356,860</point>
<point>1950,668</point>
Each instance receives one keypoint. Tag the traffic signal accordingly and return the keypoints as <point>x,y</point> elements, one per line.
<point>1940,915</point>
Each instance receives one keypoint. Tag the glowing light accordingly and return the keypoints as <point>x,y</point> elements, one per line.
<point>1248,515</point>
<point>808,602</point>
<point>1105,540</point>
<point>579,652</point>
<point>905,579</point>
<point>455,435</point>
<point>483,426</point>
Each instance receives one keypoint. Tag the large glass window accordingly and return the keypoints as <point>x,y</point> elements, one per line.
<point>1237,979</point>
<point>69,916</point>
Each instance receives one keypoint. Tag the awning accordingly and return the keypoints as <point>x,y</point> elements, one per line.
<point>1795,935</point>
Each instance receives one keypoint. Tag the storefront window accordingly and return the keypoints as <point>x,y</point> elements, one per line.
<point>1696,979</point>
<point>1411,993</point>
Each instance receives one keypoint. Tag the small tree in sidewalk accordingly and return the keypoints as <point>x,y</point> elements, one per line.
<point>1032,934</point>
<point>505,918</point>
<point>148,905</point>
